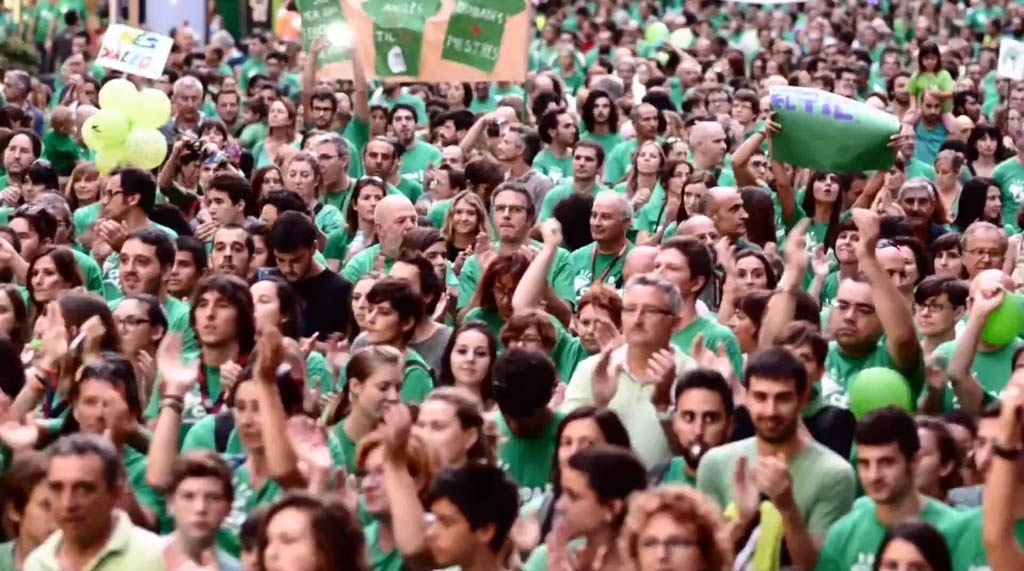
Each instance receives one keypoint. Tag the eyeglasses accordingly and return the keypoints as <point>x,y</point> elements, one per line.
<point>932,307</point>
<point>130,322</point>
<point>674,545</point>
<point>647,311</point>
<point>981,253</point>
<point>510,208</point>
<point>107,196</point>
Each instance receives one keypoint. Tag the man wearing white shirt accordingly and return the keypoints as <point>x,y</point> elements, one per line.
<point>635,380</point>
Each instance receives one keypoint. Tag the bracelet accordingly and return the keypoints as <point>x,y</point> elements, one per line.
<point>175,404</point>
<point>1011,454</point>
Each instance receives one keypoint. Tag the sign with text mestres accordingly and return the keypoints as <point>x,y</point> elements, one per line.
<point>134,51</point>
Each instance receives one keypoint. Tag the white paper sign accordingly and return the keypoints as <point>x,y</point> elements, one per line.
<point>1011,59</point>
<point>134,51</point>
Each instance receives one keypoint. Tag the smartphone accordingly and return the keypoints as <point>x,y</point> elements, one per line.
<point>264,273</point>
<point>494,129</point>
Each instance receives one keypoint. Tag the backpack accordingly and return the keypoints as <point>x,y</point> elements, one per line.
<point>223,424</point>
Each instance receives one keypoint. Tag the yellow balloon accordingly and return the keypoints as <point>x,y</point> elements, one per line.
<point>145,148</point>
<point>108,159</point>
<point>153,110</point>
<point>120,95</point>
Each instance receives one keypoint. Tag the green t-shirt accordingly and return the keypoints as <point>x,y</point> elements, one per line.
<point>991,368</point>
<point>714,334</point>
<point>475,32</point>
<point>416,380</point>
<point>558,194</point>
<point>559,276</point>
<point>559,170</point>
<point>196,407</point>
<point>676,474</point>
<point>91,272</point>
<point>589,267</point>
<point>824,484</point>
<point>415,161</point>
<point>853,541</point>
<point>841,367</point>
<point>328,219</point>
<point>84,217</point>
<point>968,548</point>
<point>567,353</point>
<point>45,12</point>
<point>1010,176</point>
<point>920,82</point>
<point>379,560</point>
<point>7,556</point>
<point>246,500</point>
<point>61,150</point>
<point>177,313</point>
<point>607,142</point>
<point>616,164</point>
<point>398,34</point>
<point>362,263</point>
<point>135,469</point>
<point>528,459</point>
<point>248,69</point>
<point>439,211</point>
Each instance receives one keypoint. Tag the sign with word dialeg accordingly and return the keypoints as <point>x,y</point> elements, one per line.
<point>829,132</point>
<point>134,51</point>
<point>440,40</point>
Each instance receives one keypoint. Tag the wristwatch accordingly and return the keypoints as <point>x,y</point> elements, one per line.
<point>1011,454</point>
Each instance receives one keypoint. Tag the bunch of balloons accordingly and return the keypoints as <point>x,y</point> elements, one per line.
<point>124,130</point>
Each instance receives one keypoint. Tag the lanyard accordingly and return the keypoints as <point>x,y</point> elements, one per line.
<point>213,407</point>
<point>49,411</point>
<point>593,263</point>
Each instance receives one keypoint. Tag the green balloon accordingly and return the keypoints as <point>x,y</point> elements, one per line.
<point>119,95</point>
<point>1004,324</point>
<point>108,159</point>
<point>878,387</point>
<point>657,32</point>
<point>108,129</point>
<point>145,148</point>
<point>153,110</point>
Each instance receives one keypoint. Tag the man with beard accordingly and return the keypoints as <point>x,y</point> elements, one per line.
<point>516,148</point>
<point>888,449</point>
<point>417,154</point>
<point>23,148</point>
<point>453,126</point>
<point>126,202</point>
<point>228,104</point>
<point>380,159</point>
<point>868,309</point>
<point>730,216</point>
<point>701,421</point>
<point>190,265</point>
<point>930,129</point>
<point>147,258</point>
<point>325,294</point>
<point>559,133</point>
<point>333,154</point>
<point>587,161</point>
<point>600,119</point>
<point>647,122</point>
<point>232,252</point>
<point>809,485</point>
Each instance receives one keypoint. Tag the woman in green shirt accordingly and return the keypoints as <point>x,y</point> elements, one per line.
<point>302,176</point>
<point>266,179</point>
<point>980,199</point>
<point>26,506</point>
<point>281,132</point>
<point>304,532</point>
<point>359,231</point>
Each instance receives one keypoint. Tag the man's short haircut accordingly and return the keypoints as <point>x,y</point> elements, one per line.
<point>291,232</point>
<point>698,258</point>
<point>82,444</point>
<point>708,380</point>
<point>236,187</point>
<point>776,364</point>
<point>889,425</point>
<point>193,246</point>
<point>202,464</point>
<point>799,333</point>
<point>402,107</point>
<point>250,244</point>
<point>524,381</point>
<point>136,181</point>
<point>163,243</point>
<point>520,189</point>
<point>430,285</point>
<point>485,496</point>
<point>284,201</point>
<point>594,146</point>
<point>401,297</point>
<point>43,223</point>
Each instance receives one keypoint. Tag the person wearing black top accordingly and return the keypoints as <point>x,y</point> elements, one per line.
<point>326,295</point>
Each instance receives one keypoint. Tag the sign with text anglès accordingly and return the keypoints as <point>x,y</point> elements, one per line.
<point>829,132</point>
<point>134,51</point>
<point>440,40</point>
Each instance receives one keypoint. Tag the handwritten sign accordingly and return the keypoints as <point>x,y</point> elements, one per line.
<point>440,40</point>
<point>829,132</point>
<point>134,51</point>
<point>325,18</point>
<point>1011,59</point>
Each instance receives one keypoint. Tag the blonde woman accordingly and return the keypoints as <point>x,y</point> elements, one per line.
<point>464,221</point>
<point>83,194</point>
<point>674,527</point>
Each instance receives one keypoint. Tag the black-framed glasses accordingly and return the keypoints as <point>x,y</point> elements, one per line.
<point>130,322</point>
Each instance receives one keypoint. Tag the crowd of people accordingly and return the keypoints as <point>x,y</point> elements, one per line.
<point>583,322</point>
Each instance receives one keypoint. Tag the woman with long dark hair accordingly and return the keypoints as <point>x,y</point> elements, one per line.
<point>359,232</point>
<point>980,199</point>
<point>986,149</point>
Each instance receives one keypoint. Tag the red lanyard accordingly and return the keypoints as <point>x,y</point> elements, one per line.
<point>593,263</point>
<point>213,407</point>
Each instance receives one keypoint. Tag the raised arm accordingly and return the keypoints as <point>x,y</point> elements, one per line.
<point>782,306</point>
<point>282,463</point>
<point>532,289</point>
<point>309,74</point>
<point>407,511</point>
<point>177,377</point>
<point>741,157</point>
<point>1001,488</point>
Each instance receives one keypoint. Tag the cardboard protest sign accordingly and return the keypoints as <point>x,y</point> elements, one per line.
<point>325,18</point>
<point>1011,59</point>
<point>134,51</point>
<point>829,132</point>
<point>440,40</point>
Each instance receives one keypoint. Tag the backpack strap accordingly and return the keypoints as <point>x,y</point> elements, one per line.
<point>223,424</point>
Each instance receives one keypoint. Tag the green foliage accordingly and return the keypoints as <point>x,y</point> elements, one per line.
<point>16,54</point>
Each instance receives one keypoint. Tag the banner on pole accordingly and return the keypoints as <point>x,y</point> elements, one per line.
<point>423,40</point>
<point>134,51</point>
<point>1011,59</point>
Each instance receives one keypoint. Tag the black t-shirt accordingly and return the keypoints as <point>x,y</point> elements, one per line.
<point>328,304</point>
<point>832,426</point>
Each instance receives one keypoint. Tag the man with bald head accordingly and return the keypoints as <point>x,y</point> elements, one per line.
<point>729,215</point>
<point>602,260</point>
<point>708,141</point>
<point>647,122</point>
<point>639,260</point>
<point>394,216</point>
<point>453,156</point>
<point>977,371</point>
<point>962,127</point>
